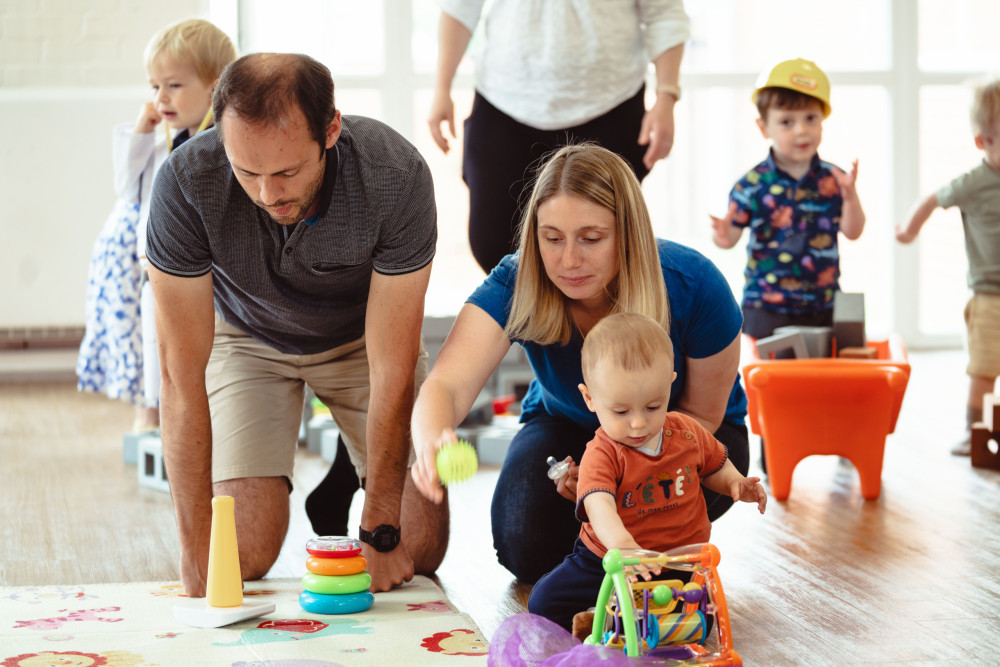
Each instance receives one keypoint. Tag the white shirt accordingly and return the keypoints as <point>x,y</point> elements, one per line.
<point>553,64</point>
<point>136,159</point>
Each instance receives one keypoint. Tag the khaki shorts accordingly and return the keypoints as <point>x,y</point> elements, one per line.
<point>256,393</point>
<point>982,319</point>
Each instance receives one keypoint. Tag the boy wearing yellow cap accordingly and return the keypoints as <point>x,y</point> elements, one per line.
<point>794,205</point>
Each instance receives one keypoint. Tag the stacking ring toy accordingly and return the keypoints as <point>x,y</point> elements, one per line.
<point>319,603</point>
<point>332,546</point>
<point>336,566</point>
<point>339,585</point>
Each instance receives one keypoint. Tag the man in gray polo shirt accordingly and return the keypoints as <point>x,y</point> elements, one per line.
<point>291,246</point>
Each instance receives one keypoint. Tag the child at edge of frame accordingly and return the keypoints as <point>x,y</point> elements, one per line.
<point>976,193</point>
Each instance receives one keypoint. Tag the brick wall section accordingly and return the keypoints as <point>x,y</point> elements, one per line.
<point>82,43</point>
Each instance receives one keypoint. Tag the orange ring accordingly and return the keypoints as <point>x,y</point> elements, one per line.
<point>336,567</point>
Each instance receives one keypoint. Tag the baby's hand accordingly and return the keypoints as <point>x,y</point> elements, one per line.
<point>721,226</point>
<point>844,180</point>
<point>904,235</point>
<point>749,490</point>
<point>645,570</point>
<point>149,118</point>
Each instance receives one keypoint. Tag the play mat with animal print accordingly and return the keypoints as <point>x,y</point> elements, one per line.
<point>131,625</point>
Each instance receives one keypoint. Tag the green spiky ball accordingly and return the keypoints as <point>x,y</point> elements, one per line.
<point>456,462</point>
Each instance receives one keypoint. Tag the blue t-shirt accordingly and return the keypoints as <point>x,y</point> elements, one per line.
<point>792,258</point>
<point>704,320</point>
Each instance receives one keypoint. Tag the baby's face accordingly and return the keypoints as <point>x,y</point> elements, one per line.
<point>795,133</point>
<point>989,143</point>
<point>180,96</point>
<point>631,405</point>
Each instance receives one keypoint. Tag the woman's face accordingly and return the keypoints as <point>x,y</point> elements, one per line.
<point>578,243</point>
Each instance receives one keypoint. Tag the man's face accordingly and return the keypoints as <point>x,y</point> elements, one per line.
<point>280,167</point>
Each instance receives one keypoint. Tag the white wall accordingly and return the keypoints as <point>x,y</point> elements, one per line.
<point>69,71</point>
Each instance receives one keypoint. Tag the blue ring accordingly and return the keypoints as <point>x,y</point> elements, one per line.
<point>319,603</point>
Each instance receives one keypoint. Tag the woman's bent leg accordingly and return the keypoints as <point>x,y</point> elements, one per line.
<point>534,527</point>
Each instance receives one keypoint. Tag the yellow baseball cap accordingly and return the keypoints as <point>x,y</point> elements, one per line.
<point>800,75</point>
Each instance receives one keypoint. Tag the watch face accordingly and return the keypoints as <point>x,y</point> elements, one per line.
<point>383,538</point>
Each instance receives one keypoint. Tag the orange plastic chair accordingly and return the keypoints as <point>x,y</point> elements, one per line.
<point>841,407</point>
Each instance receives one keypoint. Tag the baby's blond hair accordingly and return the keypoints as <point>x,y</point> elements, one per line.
<point>193,41</point>
<point>629,340</point>
<point>986,108</point>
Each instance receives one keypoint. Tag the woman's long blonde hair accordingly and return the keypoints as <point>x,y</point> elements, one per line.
<point>539,310</point>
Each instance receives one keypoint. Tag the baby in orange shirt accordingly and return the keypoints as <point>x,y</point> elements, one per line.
<point>641,475</point>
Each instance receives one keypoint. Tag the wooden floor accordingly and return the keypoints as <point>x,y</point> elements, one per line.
<point>824,578</point>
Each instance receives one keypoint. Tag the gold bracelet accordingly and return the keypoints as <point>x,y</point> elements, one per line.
<point>669,89</point>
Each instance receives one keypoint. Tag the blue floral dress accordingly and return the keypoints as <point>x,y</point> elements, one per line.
<point>110,359</point>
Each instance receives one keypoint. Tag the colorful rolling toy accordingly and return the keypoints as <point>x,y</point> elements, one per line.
<point>456,462</point>
<point>337,581</point>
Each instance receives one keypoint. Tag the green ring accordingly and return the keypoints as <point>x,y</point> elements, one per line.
<point>336,585</point>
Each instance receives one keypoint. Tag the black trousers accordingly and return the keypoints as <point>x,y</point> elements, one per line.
<point>501,155</point>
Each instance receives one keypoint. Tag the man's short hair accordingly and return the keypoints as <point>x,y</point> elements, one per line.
<point>261,88</point>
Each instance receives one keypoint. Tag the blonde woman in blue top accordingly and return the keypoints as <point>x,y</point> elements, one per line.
<point>587,250</point>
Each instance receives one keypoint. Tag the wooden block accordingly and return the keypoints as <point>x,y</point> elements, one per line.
<point>981,454</point>
<point>857,353</point>
<point>781,342</point>
<point>991,412</point>
<point>817,339</point>
<point>849,319</point>
<point>151,471</point>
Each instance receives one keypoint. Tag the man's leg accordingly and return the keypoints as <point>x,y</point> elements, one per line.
<point>261,520</point>
<point>424,526</point>
<point>255,400</point>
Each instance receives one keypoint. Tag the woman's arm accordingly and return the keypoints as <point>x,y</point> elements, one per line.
<point>453,39</point>
<point>657,130</point>
<point>474,348</point>
<point>708,385</point>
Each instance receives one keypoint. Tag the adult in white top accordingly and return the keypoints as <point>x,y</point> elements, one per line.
<point>551,72</point>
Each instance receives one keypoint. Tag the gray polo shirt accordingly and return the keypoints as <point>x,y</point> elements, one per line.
<point>308,292</point>
<point>977,195</point>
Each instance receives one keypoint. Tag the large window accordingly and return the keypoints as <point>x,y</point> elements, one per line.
<point>900,72</point>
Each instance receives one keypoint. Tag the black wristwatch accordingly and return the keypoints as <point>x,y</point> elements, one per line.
<point>384,538</point>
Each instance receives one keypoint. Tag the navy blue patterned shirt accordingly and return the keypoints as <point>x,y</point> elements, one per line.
<point>792,258</point>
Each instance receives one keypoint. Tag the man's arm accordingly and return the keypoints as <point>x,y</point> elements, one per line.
<point>185,326</point>
<point>392,333</point>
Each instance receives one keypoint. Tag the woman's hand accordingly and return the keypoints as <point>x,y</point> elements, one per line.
<point>566,485</point>
<point>424,469</point>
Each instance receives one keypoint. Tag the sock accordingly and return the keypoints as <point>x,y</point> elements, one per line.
<point>329,503</point>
